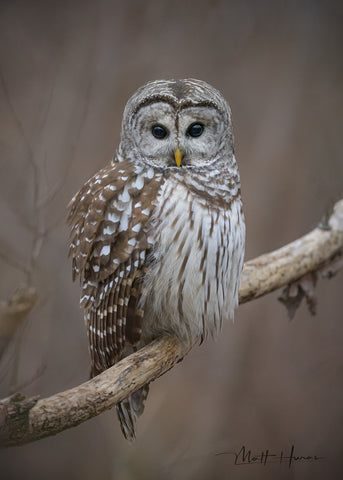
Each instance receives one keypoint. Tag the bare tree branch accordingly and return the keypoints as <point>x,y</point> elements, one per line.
<point>271,271</point>
<point>24,420</point>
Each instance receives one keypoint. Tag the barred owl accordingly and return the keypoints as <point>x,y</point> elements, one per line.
<point>158,235</point>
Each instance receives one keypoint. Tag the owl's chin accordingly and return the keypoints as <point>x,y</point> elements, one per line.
<point>168,164</point>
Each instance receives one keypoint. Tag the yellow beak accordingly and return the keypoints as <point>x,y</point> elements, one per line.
<point>178,157</point>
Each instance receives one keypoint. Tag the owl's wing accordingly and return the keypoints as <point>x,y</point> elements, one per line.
<point>109,244</point>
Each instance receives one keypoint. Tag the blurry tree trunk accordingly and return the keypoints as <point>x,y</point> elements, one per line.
<point>13,312</point>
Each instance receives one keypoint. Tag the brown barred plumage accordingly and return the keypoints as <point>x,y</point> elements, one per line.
<point>159,245</point>
<point>108,248</point>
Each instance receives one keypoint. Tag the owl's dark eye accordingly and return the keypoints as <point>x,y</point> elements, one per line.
<point>195,130</point>
<point>159,132</point>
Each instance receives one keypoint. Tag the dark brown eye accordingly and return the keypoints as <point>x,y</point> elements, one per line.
<point>159,131</point>
<point>195,130</point>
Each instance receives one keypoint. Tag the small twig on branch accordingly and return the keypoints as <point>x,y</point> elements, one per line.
<point>26,420</point>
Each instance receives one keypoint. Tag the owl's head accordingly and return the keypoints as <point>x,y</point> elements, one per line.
<point>177,124</point>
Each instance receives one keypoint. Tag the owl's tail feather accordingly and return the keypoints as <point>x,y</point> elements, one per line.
<point>129,410</point>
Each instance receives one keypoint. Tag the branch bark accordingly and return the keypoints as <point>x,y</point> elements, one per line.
<point>24,420</point>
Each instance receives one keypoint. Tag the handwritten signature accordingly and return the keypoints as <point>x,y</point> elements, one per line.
<point>247,457</point>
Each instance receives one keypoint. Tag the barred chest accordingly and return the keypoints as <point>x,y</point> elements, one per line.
<point>194,277</point>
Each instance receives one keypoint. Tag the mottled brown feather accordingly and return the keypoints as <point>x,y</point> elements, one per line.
<point>110,228</point>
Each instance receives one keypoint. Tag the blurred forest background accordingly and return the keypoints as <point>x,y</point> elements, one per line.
<point>67,70</point>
